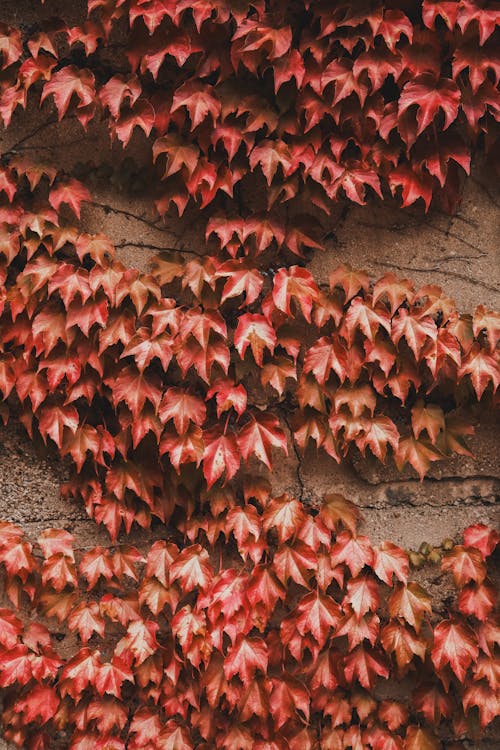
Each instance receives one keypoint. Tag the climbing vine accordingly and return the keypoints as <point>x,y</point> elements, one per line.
<point>256,621</point>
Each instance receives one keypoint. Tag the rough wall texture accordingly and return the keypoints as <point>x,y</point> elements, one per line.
<point>460,253</point>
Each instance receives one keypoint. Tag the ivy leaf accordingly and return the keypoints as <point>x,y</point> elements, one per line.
<point>96,564</point>
<point>285,515</point>
<point>398,639</point>
<point>414,330</point>
<point>134,388</point>
<point>364,665</point>
<point>410,602</point>
<point>317,613</point>
<point>53,420</point>
<point>295,282</point>
<point>183,449</point>
<point>431,701</point>
<point>270,155</point>
<point>141,115</point>
<point>295,561</point>
<point>220,456</point>
<point>354,551</point>
<point>40,705</point>
<point>358,629</point>
<point>418,453</point>
<point>351,281</point>
<point>145,727</point>
<point>466,564</point>
<point>325,355</point>
<point>11,45</point>
<point>337,511</point>
<point>378,432</point>
<point>139,642</point>
<point>15,666</point>
<point>288,695</point>
<point>254,330</point>
<point>183,408</point>
<point>198,100</point>
<point>264,588</point>
<point>245,657</point>
<point>477,600</point>
<point>414,184</point>
<point>66,83</point>
<point>454,644</point>
<point>241,278</point>
<point>389,562</point>
<point>59,571</point>
<point>481,537</point>
<point>482,368</point>
<point>80,672</point>
<point>10,628</point>
<point>485,699</point>
<point>180,154</point>
<point>430,95</point>
<point>428,418</point>
<point>259,436</point>
<point>362,595</point>
<point>87,620</point>
<point>71,192</point>
<point>192,568</point>
<point>117,90</point>
<point>486,18</point>
<point>421,739</point>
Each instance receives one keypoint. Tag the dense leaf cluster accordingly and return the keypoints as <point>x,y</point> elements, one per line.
<point>320,101</point>
<point>153,385</point>
<point>256,623</point>
<point>182,649</point>
<point>141,379</point>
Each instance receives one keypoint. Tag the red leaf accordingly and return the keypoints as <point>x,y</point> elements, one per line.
<point>220,456</point>
<point>15,666</point>
<point>482,538</point>
<point>198,100</point>
<point>410,602</point>
<point>485,699</point>
<point>421,739</point>
<point>295,282</point>
<point>482,368</point>
<point>183,407</point>
<point>71,192</point>
<point>40,705</point>
<point>364,664</point>
<point>390,561</point>
<point>354,551</point>
<point>466,564</point>
<point>245,657</point>
<point>454,644</point>
<point>254,331</point>
<point>431,701</point>
<point>68,82</point>
<point>429,96</point>
<point>192,568</point>
<point>111,677</point>
<point>288,695</point>
<point>262,433</point>
<point>80,672</point>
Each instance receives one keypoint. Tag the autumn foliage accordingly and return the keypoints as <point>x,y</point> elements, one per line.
<point>260,628</point>
<point>254,621</point>
<point>319,100</point>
